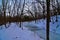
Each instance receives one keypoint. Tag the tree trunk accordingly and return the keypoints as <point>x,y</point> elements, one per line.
<point>48,19</point>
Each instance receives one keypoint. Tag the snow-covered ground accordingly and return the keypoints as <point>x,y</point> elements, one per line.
<point>40,28</point>
<point>16,33</point>
<point>31,30</point>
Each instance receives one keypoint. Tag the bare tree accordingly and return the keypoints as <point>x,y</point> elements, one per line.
<point>29,11</point>
<point>43,9</point>
<point>23,8</point>
<point>0,10</point>
<point>4,7</point>
<point>48,19</point>
<point>57,10</point>
<point>35,10</point>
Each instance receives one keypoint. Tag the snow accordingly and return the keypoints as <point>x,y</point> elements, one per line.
<point>31,30</point>
<point>16,33</point>
<point>41,24</point>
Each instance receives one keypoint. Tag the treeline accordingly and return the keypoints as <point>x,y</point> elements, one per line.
<point>33,9</point>
<point>26,10</point>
